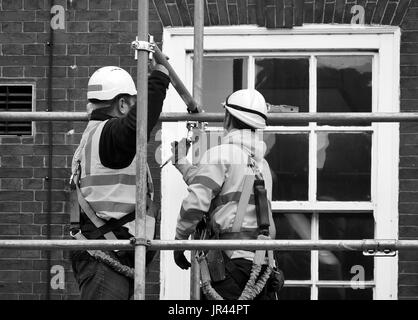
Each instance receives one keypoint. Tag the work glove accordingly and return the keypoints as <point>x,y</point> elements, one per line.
<point>276,281</point>
<point>179,149</point>
<point>157,65</point>
<point>181,260</point>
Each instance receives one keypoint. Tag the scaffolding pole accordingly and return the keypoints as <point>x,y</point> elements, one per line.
<point>272,118</point>
<point>141,151</point>
<point>289,245</point>
<point>199,12</point>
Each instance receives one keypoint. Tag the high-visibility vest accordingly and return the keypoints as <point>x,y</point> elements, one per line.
<point>228,187</point>
<point>110,192</point>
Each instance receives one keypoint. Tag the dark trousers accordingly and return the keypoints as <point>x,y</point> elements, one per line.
<point>97,281</point>
<point>237,273</point>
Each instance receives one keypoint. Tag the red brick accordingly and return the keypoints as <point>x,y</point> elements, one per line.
<point>9,230</point>
<point>30,230</point>
<point>16,196</point>
<point>408,267</point>
<point>78,49</point>
<point>34,49</point>
<point>13,264</point>
<point>17,37</point>
<point>11,161</point>
<point>11,276</point>
<point>408,255</point>
<point>33,27</point>
<point>12,49</point>
<point>11,184</point>
<point>121,27</point>
<point>33,207</point>
<point>33,184</point>
<point>54,206</point>
<point>34,4</point>
<point>77,26</point>
<point>21,287</point>
<point>101,26</point>
<point>28,296</point>
<point>408,291</point>
<point>56,230</point>
<point>97,15</point>
<point>9,206</point>
<point>55,219</point>
<point>99,4</point>
<point>16,15</point>
<point>120,50</point>
<point>10,140</point>
<point>100,49</point>
<point>13,72</point>
<point>34,72</point>
<point>120,4</point>
<point>12,27</point>
<point>97,61</point>
<point>12,4</point>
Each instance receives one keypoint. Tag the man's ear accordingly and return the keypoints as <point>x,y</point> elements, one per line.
<point>122,106</point>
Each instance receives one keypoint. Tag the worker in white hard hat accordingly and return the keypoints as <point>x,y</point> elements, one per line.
<point>215,188</point>
<point>104,175</point>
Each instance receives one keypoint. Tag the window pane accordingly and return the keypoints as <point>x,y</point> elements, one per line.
<point>295,293</point>
<point>288,157</point>
<point>296,265</point>
<point>345,294</point>
<point>284,81</point>
<point>344,166</point>
<point>221,77</point>
<point>345,265</point>
<point>345,84</point>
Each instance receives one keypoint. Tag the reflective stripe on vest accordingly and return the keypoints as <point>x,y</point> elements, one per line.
<point>110,192</point>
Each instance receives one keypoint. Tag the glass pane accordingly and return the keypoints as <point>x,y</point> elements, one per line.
<point>295,293</point>
<point>296,265</point>
<point>284,81</point>
<point>344,166</point>
<point>221,77</point>
<point>288,157</point>
<point>346,265</point>
<point>345,83</point>
<point>345,294</point>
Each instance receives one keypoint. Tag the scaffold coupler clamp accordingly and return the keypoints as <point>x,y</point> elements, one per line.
<point>382,250</point>
<point>148,46</point>
<point>140,242</point>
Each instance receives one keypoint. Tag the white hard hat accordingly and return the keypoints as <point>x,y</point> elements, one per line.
<point>248,106</point>
<point>108,82</point>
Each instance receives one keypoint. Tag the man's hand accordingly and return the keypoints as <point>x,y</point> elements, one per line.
<point>179,149</point>
<point>181,260</point>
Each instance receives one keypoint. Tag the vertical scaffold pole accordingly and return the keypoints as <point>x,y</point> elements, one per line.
<point>199,11</point>
<point>141,150</point>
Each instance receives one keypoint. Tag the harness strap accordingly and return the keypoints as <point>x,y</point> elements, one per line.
<point>111,225</point>
<point>98,223</point>
<point>242,235</point>
<point>243,202</point>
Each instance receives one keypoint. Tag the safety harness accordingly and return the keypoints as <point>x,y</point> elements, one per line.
<point>102,228</point>
<point>208,262</point>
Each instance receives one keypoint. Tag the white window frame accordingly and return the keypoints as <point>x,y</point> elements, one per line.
<point>178,43</point>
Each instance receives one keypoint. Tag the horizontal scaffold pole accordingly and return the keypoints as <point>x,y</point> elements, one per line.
<point>290,245</point>
<point>273,118</point>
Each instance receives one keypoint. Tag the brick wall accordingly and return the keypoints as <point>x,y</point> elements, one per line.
<point>98,33</point>
<point>408,171</point>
